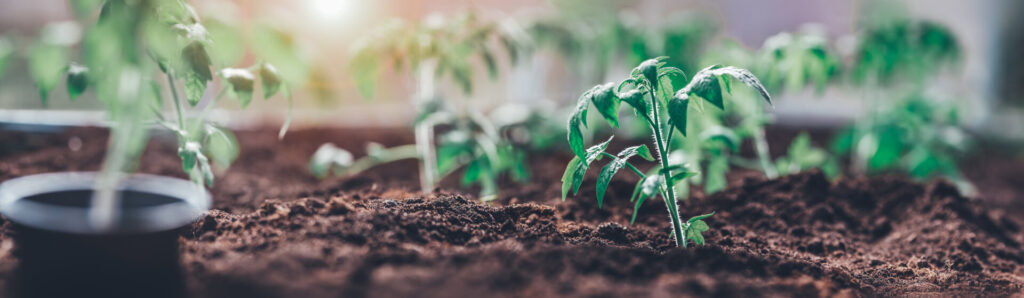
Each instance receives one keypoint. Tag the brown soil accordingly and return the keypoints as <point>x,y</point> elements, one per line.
<point>277,232</point>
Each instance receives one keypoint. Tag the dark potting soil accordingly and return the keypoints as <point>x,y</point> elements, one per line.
<point>277,232</point>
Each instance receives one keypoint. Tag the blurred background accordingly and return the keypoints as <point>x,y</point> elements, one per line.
<point>986,84</point>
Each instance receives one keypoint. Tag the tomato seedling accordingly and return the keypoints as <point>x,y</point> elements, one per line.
<point>653,92</point>
<point>432,50</point>
<point>122,46</point>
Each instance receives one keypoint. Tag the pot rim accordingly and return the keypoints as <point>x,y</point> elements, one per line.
<point>193,202</point>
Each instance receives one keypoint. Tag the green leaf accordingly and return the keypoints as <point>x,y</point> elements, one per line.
<point>198,62</point>
<point>695,226</point>
<point>606,177</point>
<point>222,146</point>
<point>194,88</point>
<point>640,150</point>
<point>649,69</point>
<point>711,91</point>
<point>705,84</point>
<point>77,80</point>
<point>613,167</point>
<point>578,121</point>
<point>606,102</point>
<point>241,81</point>
<point>567,176</point>
<point>680,176</point>
<point>677,108</point>
<point>636,99</point>
<point>269,80</point>
<point>593,153</point>
<point>46,64</point>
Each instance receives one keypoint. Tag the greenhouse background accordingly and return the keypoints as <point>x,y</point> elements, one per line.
<point>324,29</point>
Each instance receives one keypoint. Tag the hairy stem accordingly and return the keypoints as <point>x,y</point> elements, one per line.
<point>670,193</point>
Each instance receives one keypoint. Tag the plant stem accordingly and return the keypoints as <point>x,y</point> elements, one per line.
<point>424,130</point>
<point>390,155</point>
<point>761,146</point>
<point>670,193</point>
<point>177,101</point>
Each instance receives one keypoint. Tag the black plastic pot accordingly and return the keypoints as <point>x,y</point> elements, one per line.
<point>61,255</point>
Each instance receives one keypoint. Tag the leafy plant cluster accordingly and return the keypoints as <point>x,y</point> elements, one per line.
<point>905,129</point>
<point>131,53</point>
<point>432,50</point>
<point>661,96</point>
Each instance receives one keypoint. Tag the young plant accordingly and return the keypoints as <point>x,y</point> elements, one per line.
<point>786,61</point>
<point>122,46</point>
<point>903,129</point>
<point>658,96</point>
<point>433,50</point>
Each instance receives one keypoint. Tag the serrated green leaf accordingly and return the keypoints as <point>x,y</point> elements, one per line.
<point>241,81</point>
<point>677,109</point>
<point>77,80</point>
<point>695,226</point>
<point>696,237</point>
<point>607,103</point>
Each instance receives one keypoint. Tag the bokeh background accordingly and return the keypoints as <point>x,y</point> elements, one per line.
<point>987,82</point>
